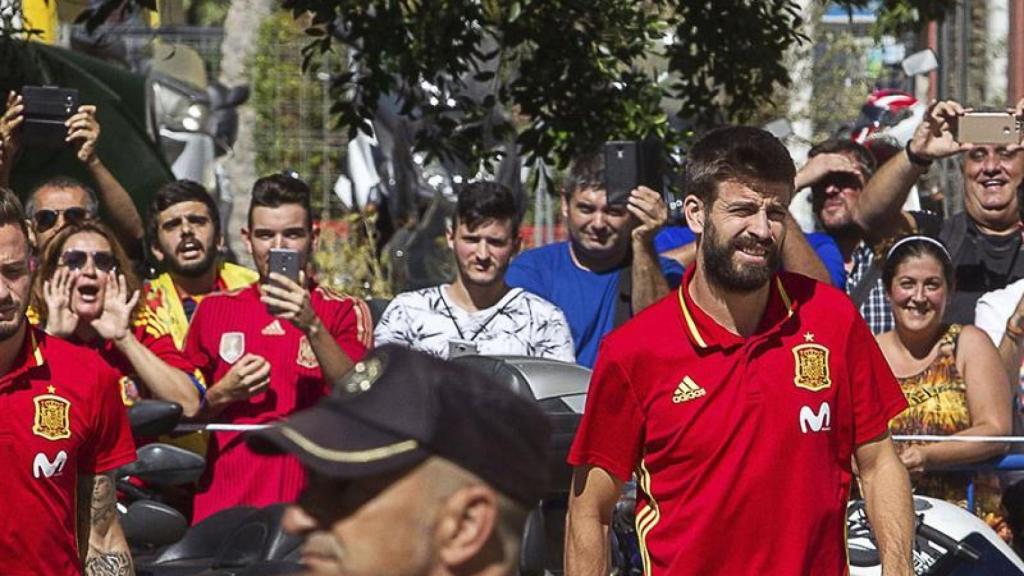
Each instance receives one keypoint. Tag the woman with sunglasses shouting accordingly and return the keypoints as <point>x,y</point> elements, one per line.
<point>85,291</point>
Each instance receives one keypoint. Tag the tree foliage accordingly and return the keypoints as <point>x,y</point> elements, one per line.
<point>559,76</point>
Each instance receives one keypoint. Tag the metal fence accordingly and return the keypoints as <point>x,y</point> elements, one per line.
<point>294,129</point>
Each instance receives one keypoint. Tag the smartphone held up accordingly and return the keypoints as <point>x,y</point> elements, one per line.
<point>998,128</point>
<point>285,261</point>
<point>629,164</point>
<point>46,110</point>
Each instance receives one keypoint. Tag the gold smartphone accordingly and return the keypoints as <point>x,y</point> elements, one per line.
<point>988,128</point>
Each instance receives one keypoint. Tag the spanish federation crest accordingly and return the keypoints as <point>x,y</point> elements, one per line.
<point>52,419</point>
<point>811,367</point>
<point>306,357</point>
<point>232,346</point>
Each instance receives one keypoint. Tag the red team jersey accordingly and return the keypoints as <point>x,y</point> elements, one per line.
<point>62,417</point>
<point>158,340</point>
<point>224,328</point>
<point>741,446</point>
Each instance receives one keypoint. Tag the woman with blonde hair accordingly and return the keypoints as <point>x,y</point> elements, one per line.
<point>85,291</point>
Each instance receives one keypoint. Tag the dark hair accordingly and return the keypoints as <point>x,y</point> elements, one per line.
<point>735,153</point>
<point>914,247</point>
<point>586,171</point>
<point>92,204</point>
<point>480,201</point>
<point>175,193</point>
<point>55,249</point>
<point>11,211</point>
<point>279,189</point>
<point>861,154</point>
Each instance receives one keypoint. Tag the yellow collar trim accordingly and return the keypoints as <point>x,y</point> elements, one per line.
<point>786,300</point>
<point>689,320</point>
<point>37,354</point>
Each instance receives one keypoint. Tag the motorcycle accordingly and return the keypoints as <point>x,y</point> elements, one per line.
<point>948,541</point>
<point>245,541</point>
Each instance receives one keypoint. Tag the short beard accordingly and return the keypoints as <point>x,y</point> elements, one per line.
<point>10,329</point>
<point>192,269</point>
<point>723,272</point>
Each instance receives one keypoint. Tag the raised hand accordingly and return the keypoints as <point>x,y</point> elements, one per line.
<point>114,322</point>
<point>817,167</point>
<point>84,132</point>
<point>648,207</point>
<point>61,320</point>
<point>10,130</point>
<point>934,137</point>
<point>288,300</point>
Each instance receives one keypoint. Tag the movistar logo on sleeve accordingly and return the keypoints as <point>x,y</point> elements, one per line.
<point>687,390</point>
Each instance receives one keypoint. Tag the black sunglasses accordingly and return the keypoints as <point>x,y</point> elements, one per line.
<point>46,218</point>
<point>76,259</point>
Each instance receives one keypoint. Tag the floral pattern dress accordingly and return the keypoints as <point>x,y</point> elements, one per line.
<point>937,398</point>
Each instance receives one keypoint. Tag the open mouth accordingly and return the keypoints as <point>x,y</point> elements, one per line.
<point>190,249</point>
<point>89,293</point>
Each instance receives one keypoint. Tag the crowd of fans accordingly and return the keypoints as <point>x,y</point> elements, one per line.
<point>233,345</point>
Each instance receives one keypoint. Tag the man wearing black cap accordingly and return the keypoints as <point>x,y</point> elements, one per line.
<point>416,466</point>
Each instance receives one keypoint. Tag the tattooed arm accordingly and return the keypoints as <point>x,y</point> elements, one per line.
<point>101,542</point>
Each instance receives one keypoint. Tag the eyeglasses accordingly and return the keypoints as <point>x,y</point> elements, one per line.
<point>76,260</point>
<point>47,218</point>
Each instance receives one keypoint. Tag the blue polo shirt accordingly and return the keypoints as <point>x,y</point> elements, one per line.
<point>824,245</point>
<point>587,298</point>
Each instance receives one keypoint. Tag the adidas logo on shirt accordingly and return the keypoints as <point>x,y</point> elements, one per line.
<point>687,390</point>
<point>273,329</point>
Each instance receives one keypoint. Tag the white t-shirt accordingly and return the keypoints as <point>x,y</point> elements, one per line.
<point>520,324</point>
<point>994,309</point>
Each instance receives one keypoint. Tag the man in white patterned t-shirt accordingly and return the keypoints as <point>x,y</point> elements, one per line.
<point>479,313</point>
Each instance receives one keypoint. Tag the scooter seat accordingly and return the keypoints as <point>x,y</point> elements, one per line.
<point>203,540</point>
<point>258,538</point>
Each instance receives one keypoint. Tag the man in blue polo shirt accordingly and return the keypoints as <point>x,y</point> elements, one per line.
<point>608,270</point>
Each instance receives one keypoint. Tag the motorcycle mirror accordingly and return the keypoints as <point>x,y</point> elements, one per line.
<point>164,465</point>
<point>153,417</point>
<point>237,96</point>
<point>153,523</point>
<point>921,62</point>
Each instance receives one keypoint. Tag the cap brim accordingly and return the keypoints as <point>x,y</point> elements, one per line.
<point>338,445</point>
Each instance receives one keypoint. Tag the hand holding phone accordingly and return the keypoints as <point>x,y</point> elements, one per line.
<point>46,109</point>
<point>629,164</point>
<point>287,300</point>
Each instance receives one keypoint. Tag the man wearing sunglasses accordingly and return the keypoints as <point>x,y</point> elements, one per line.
<point>269,350</point>
<point>64,432</point>
<point>60,199</point>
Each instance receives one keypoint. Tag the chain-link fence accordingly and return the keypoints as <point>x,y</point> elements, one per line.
<point>294,128</point>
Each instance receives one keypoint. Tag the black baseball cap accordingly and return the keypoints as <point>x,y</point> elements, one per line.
<point>398,407</point>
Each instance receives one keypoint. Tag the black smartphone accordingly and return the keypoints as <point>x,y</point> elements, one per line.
<point>46,110</point>
<point>285,261</point>
<point>629,164</point>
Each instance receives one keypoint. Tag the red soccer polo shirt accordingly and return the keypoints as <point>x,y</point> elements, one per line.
<point>151,334</point>
<point>225,327</point>
<point>741,446</point>
<point>62,417</point>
